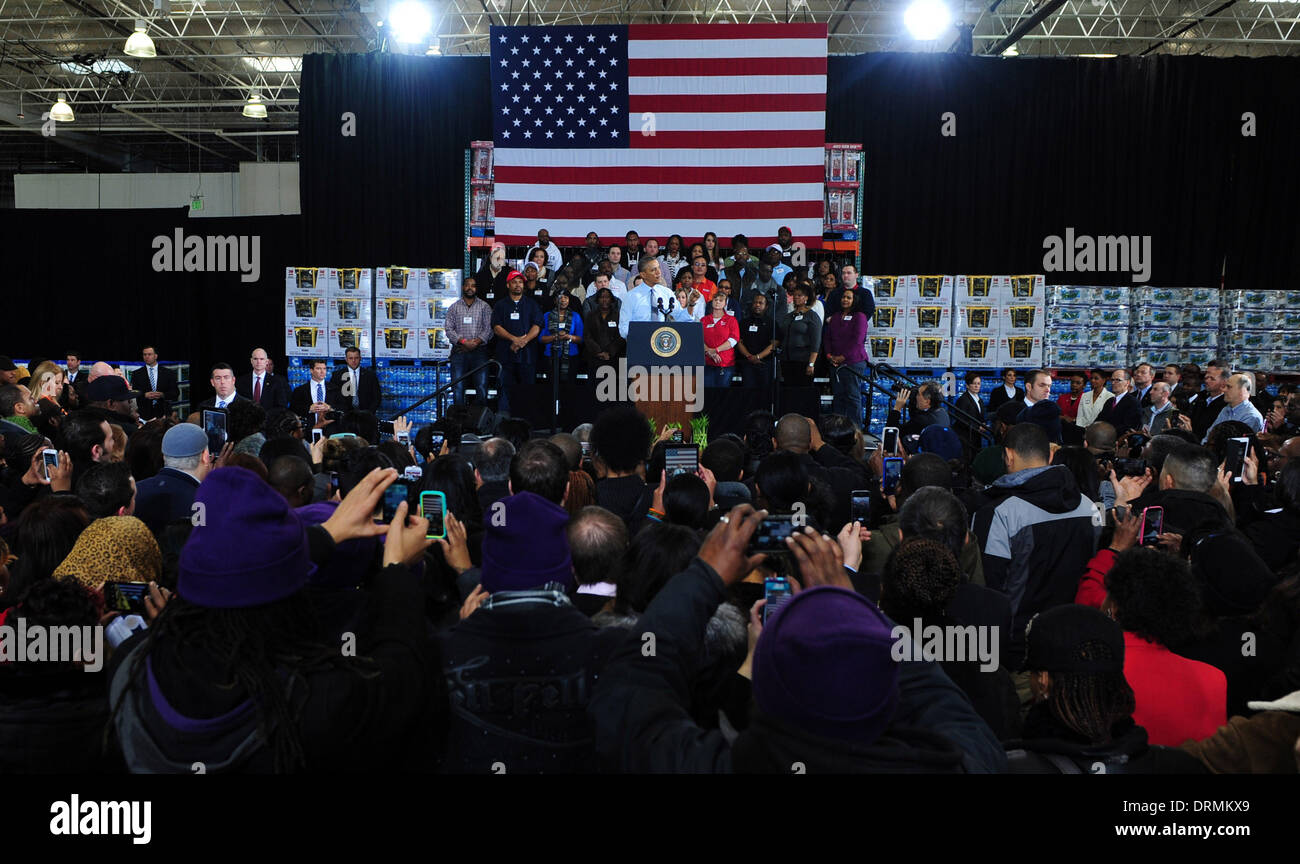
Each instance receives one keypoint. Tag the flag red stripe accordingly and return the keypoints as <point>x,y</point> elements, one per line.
<point>726,31</point>
<point>643,210</point>
<point>727,102</point>
<point>680,67</point>
<point>773,138</point>
<point>619,176</point>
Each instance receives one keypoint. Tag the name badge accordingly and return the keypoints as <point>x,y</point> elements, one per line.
<point>561,326</point>
<point>514,316</point>
<point>538,292</point>
<point>848,317</point>
<point>753,328</point>
<point>798,317</point>
<point>468,319</point>
<point>611,323</point>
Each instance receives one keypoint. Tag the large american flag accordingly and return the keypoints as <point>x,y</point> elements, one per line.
<point>661,129</point>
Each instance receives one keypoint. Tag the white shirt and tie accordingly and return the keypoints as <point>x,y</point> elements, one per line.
<point>223,401</point>
<point>355,375</point>
<point>642,303</point>
<point>258,383</point>
<point>318,391</point>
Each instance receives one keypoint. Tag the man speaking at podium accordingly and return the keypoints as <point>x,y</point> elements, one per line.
<point>652,300</point>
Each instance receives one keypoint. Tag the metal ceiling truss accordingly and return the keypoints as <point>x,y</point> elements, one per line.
<point>213,53</point>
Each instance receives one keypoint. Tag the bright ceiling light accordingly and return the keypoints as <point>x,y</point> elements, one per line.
<point>274,64</point>
<point>254,107</point>
<point>61,110</point>
<point>138,44</point>
<point>1011,52</point>
<point>1098,56</point>
<point>410,21</point>
<point>927,20</point>
<point>434,50</point>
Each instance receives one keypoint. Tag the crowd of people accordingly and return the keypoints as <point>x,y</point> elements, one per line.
<point>764,318</point>
<point>588,605</point>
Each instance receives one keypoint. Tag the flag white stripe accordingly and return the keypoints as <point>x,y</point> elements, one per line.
<point>658,227</point>
<point>767,121</point>
<point>655,49</point>
<point>670,158</point>
<point>715,85</point>
<point>655,192</point>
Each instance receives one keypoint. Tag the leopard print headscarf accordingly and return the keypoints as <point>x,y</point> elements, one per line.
<point>112,549</point>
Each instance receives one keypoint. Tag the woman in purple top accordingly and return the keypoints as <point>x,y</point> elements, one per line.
<point>844,341</point>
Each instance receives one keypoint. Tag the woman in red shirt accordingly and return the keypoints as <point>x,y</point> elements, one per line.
<point>721,334</point>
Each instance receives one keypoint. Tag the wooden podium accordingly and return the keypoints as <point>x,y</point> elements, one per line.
<point>676,350</point>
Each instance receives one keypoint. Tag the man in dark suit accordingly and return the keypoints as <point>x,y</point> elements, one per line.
<point>1008,392</point>
<point>312,396</point>
<point>1143,377</point>
<point>157,385</point>
<point>262,385</point>
<point>354,388</point>
<point>223,386</point>
<point>169,495</point>
<point>969,401</point>
<point>1124,412</point>
<point>1207,404</point>
<point>78,378</point>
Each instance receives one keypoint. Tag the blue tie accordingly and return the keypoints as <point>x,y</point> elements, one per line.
<point>320,395</point>
<point>221,403</point>
<point>356,381</point>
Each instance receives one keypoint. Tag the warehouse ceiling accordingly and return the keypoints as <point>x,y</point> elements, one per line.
<point>181,110</point>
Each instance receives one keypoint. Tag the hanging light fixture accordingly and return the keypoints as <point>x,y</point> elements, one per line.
<point>254,107</point>
<point>61,110</point>
<point>138,44</point>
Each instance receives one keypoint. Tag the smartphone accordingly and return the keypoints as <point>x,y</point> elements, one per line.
<point>413,473</point>
<point>1235,458</point>
<point>214,423</point>
<point>433,506</point>
<point>393,496</point>
<point>893,473</point>
<point>889,440</point>
<point>334,483</point>
<point>435,443</point>
<point>1151,526</point>
<point>776,591</point>
<point>861,509</point>
<point>681,460</point>
<point>771,534</point>
<point>404,436</point>
<point>586,449</point>
<point>677,435</point>
<point>386,427</point>
<point>316,435</point>
<point>50,459</point>
<point>125,597</point>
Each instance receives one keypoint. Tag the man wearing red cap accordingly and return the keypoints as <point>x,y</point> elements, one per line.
<point>516,321</point>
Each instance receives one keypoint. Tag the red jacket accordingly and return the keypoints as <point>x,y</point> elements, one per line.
<point>1177,699</point>
<point>1092,587</point>
<point>716,332</point>
<point>1069,405</point>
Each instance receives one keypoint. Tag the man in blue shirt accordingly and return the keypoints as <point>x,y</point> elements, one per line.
<point>651,300</point>
<point>516,321</point>
<point>1236,393</point>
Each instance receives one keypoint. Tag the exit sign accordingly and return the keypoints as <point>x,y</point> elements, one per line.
<point>196,204</point>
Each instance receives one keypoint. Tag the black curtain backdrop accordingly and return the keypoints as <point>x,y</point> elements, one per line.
<point>1136,146</point>
<point>393,193</point>
<point>1145,146</point>
<point>84,279</point>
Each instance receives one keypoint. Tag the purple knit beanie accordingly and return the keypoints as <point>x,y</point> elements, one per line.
<point>249,548</point>
<point>529,547</point>
<point>823,664</point>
